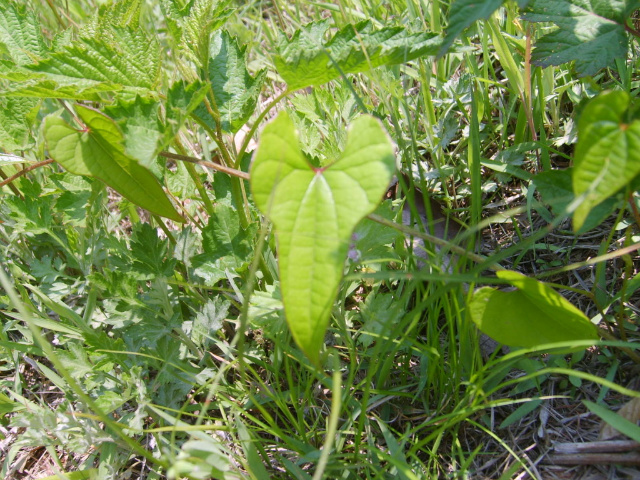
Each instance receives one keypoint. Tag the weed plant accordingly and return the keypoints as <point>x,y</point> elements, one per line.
<point>152,343</point>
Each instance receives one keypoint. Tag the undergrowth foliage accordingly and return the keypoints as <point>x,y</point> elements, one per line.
<point>262,240</point>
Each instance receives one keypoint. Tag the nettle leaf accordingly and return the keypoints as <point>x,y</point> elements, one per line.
<point>307,59</point>
<point>191,23</point>
<point>182,100</point>
<point>314,212</point>
<point>125,58</point>
<point>234,90</point>
<point>15,122</point>
<point>98,151</point>
<point>532,315</point>
<point>607,155</point>
<point>227,247</point>
<point>463,14</point>
<point>39,87</point>
<point>591,32</point>
<point>21,34</point>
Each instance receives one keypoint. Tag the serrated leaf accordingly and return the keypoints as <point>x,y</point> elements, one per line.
<point>21,34</point>
<point>307,59</point>
<point>314,212</point>
<point>38,87</point>
<point>191,24</point>
<point>182,99</point>
<point>234,90</point>
<point>607,155</point>
<point>463,14</point>
<point>126,57</point>
<point>227,247</point>
<point>591,32</point>
<point>15,122</point>
<point>149,253</point>
<point>209,320</point>
<point>532,315</point>
<point>98,151</point>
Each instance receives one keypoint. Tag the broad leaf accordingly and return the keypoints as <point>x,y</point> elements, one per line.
<point>607,156</point>
<point>21,34</point>
<point>98,151</point>
<point>235,91</point>
<point>463,14</point>
<point>314,212</point>
<point>307,59</point>
<point>591,32</point>
<point>532,315</point>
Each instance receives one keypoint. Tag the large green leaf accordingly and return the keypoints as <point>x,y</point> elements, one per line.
<point>98,151</point>
<point>532,315</point>
<point>307,59</point>
<point>314,212</point>
<point>235,91</point>
<point>607,156</point>
<point>591,32</point>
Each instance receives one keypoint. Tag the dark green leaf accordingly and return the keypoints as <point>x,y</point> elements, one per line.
<point>463,13</point>
<point>307,59</point>
<point>590,32</point>
<point>235,91</point>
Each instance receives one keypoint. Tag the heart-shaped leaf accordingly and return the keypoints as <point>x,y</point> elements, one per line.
<point>607,156</point>
<point>314,211</point>
<point>98,151</point>
<point>532,315</point>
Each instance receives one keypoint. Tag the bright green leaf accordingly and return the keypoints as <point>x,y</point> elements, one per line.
<point>98,151</point>
<point>463,14</point>
<point>591,32</point>
<point>607,156</point>
<point>307,59</point>
<point>234,90</point>
<point>532,315</point>
<point>314,212</point>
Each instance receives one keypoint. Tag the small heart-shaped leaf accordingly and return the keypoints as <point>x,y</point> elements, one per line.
<point>314,212</point>
<point>98,151</point>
